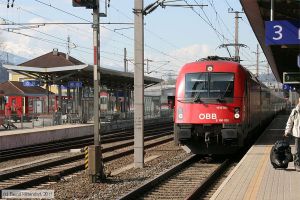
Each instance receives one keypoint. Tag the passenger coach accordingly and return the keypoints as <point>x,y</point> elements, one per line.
<point>218,106</point>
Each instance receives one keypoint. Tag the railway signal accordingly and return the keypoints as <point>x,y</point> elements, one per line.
<point>95,164</point>
<point>84,3</point>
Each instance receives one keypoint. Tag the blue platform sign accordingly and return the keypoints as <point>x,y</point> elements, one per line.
<point>286,87</point>
<point>63,87</point>
<point>31,83</point>
<point>282,32</point>
<point>74,84</point>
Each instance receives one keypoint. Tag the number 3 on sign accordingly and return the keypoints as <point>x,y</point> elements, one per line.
<point>278,32</point>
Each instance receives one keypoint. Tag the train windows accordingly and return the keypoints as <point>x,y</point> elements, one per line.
<point>209,85</point>
<point>103,100</point>
<point>196,83</point>
<point>221,85</point>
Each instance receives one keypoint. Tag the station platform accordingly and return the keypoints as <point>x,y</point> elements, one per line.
<point>255,178</point>
<point>24,137</point>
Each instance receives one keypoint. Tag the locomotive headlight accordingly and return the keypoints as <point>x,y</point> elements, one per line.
<point>180,116</point>
<point>209,68</point>
<point>180,113</point>
<point>237,113</point>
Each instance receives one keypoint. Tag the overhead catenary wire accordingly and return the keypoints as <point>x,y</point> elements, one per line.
<point>88,22</point>
<point>210,25</point>
<point>77,46</point>
<point>121,34</point>
<point>67,27</point>
<point>208,21</point>
<point>221,33</point>
<point>148,30</point>
<point>220,18</point>
<point>228,4</point>
<point>228,30</point>
<point>64,41</point>
<point>61,10</point>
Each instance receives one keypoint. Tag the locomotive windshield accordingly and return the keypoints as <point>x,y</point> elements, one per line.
<point>209,85</point>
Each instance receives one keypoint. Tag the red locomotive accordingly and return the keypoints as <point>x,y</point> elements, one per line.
<point>219,104</point>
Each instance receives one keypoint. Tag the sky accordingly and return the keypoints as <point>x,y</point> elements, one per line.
<point>173,35</point>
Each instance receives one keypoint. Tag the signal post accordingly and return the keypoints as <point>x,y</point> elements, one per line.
<point>95,161</point>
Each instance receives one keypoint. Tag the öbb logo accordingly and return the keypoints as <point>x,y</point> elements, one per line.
<point>207,116</point>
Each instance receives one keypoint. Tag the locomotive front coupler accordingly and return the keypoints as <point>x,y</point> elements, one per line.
<point>207,138</point>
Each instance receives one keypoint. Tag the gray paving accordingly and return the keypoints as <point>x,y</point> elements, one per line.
<point>255,178</point>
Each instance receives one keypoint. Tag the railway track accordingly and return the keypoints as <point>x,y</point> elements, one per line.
<point>78,142</point>
<point>209,192</point>
<point>187,180</point>
<point>36,174</point>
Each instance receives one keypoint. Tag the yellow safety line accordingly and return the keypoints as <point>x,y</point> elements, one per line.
<point>256,180</point>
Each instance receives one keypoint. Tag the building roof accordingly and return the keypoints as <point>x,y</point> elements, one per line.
<point>15,88</point>
<point>52,59</point>
<point>54,68</point>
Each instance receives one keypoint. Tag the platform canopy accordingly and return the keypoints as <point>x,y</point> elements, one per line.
<point>58,68</point>
<point>281,57</point>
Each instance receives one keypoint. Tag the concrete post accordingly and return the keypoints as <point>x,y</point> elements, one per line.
<point>236,34</point>
<point>138,84</point>
<point>125,60</point>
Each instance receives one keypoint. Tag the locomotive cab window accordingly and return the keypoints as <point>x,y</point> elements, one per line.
<point>196,85</point>
<point>212,85</point>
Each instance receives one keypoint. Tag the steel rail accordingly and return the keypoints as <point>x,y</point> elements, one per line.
<point>135,194</point>
<point>72,143</point>
<point>212,178</point>
<point>156,187</point>
<point>76,164</point>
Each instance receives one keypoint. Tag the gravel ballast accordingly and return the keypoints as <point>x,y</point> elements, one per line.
<point>79,187</point>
